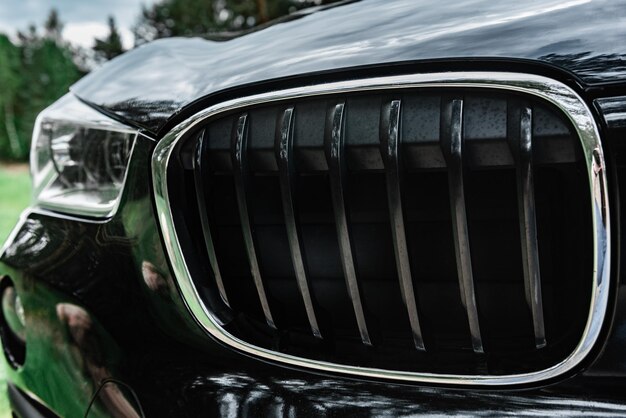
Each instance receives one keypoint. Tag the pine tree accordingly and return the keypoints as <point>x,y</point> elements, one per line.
<point>111,46</point>
<point>53,26</point>
<point>11,144</point>
<point>33,74</point>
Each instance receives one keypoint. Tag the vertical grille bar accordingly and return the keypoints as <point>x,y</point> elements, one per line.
<point>286,169</point>
<point>520,140</point>
<point>200,174</point>
<point>452,146</point>
<point>390,147</point>
<point>239,150</point>
<point>334,147</point>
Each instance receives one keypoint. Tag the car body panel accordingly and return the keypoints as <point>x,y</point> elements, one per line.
<point>114,275</point>
<point>92,338</point>
<point>153,83</point>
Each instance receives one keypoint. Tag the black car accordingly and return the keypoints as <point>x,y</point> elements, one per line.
<point>372,208</point>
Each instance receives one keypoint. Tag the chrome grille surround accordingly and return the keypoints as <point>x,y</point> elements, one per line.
<point>547,89</point>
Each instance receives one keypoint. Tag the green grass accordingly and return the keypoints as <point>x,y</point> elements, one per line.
<point>14,197</point>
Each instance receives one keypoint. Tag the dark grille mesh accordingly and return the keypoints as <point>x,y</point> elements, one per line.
<point>232,192</point>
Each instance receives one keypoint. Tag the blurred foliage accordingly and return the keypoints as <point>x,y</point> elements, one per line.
<point>10,83</point>
<point>111,46</point>
<point>33,74</point>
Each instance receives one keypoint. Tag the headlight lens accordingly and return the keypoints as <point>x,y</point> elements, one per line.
<point>79,159</point>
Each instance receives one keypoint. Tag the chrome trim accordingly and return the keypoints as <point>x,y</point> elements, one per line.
<point>544,88</point>
<point>334,137</point>
<point>452,148</point>
<point>239,150</point>
<point>200,176</point>
<point>286,169</point>
<point>390,142</point>
<point>520,140</point>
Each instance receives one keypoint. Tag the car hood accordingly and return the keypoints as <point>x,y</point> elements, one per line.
<point>151,84</point>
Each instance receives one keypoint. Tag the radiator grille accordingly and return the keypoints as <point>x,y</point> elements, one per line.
<point>426,230</point>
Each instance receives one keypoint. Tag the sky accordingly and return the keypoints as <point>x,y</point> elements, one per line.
<point>83,20</point>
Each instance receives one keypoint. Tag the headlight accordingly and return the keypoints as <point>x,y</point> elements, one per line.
<point>79,159</point>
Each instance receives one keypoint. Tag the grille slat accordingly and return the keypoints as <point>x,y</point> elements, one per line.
<point>390,149</point>
<point>452,146</point>
<point>239,149</point>
<point>520,140</point>
<point>286,170</point>
<point>202,174</point>
<point>335,155</point>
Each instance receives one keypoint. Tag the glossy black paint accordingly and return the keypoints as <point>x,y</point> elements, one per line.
<point>613,110</point>
<point>101,304</point>
<point>99,296</point>
<point>167,378</point>
<point>24,405</point>
<point>151,84</point>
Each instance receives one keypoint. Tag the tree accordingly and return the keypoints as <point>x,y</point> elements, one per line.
<point>33,74</point>
<point>261,7</point>
<point>28,37</point>
<point>53,26</point>
<point>10,141</point>
<point>111,46</point>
